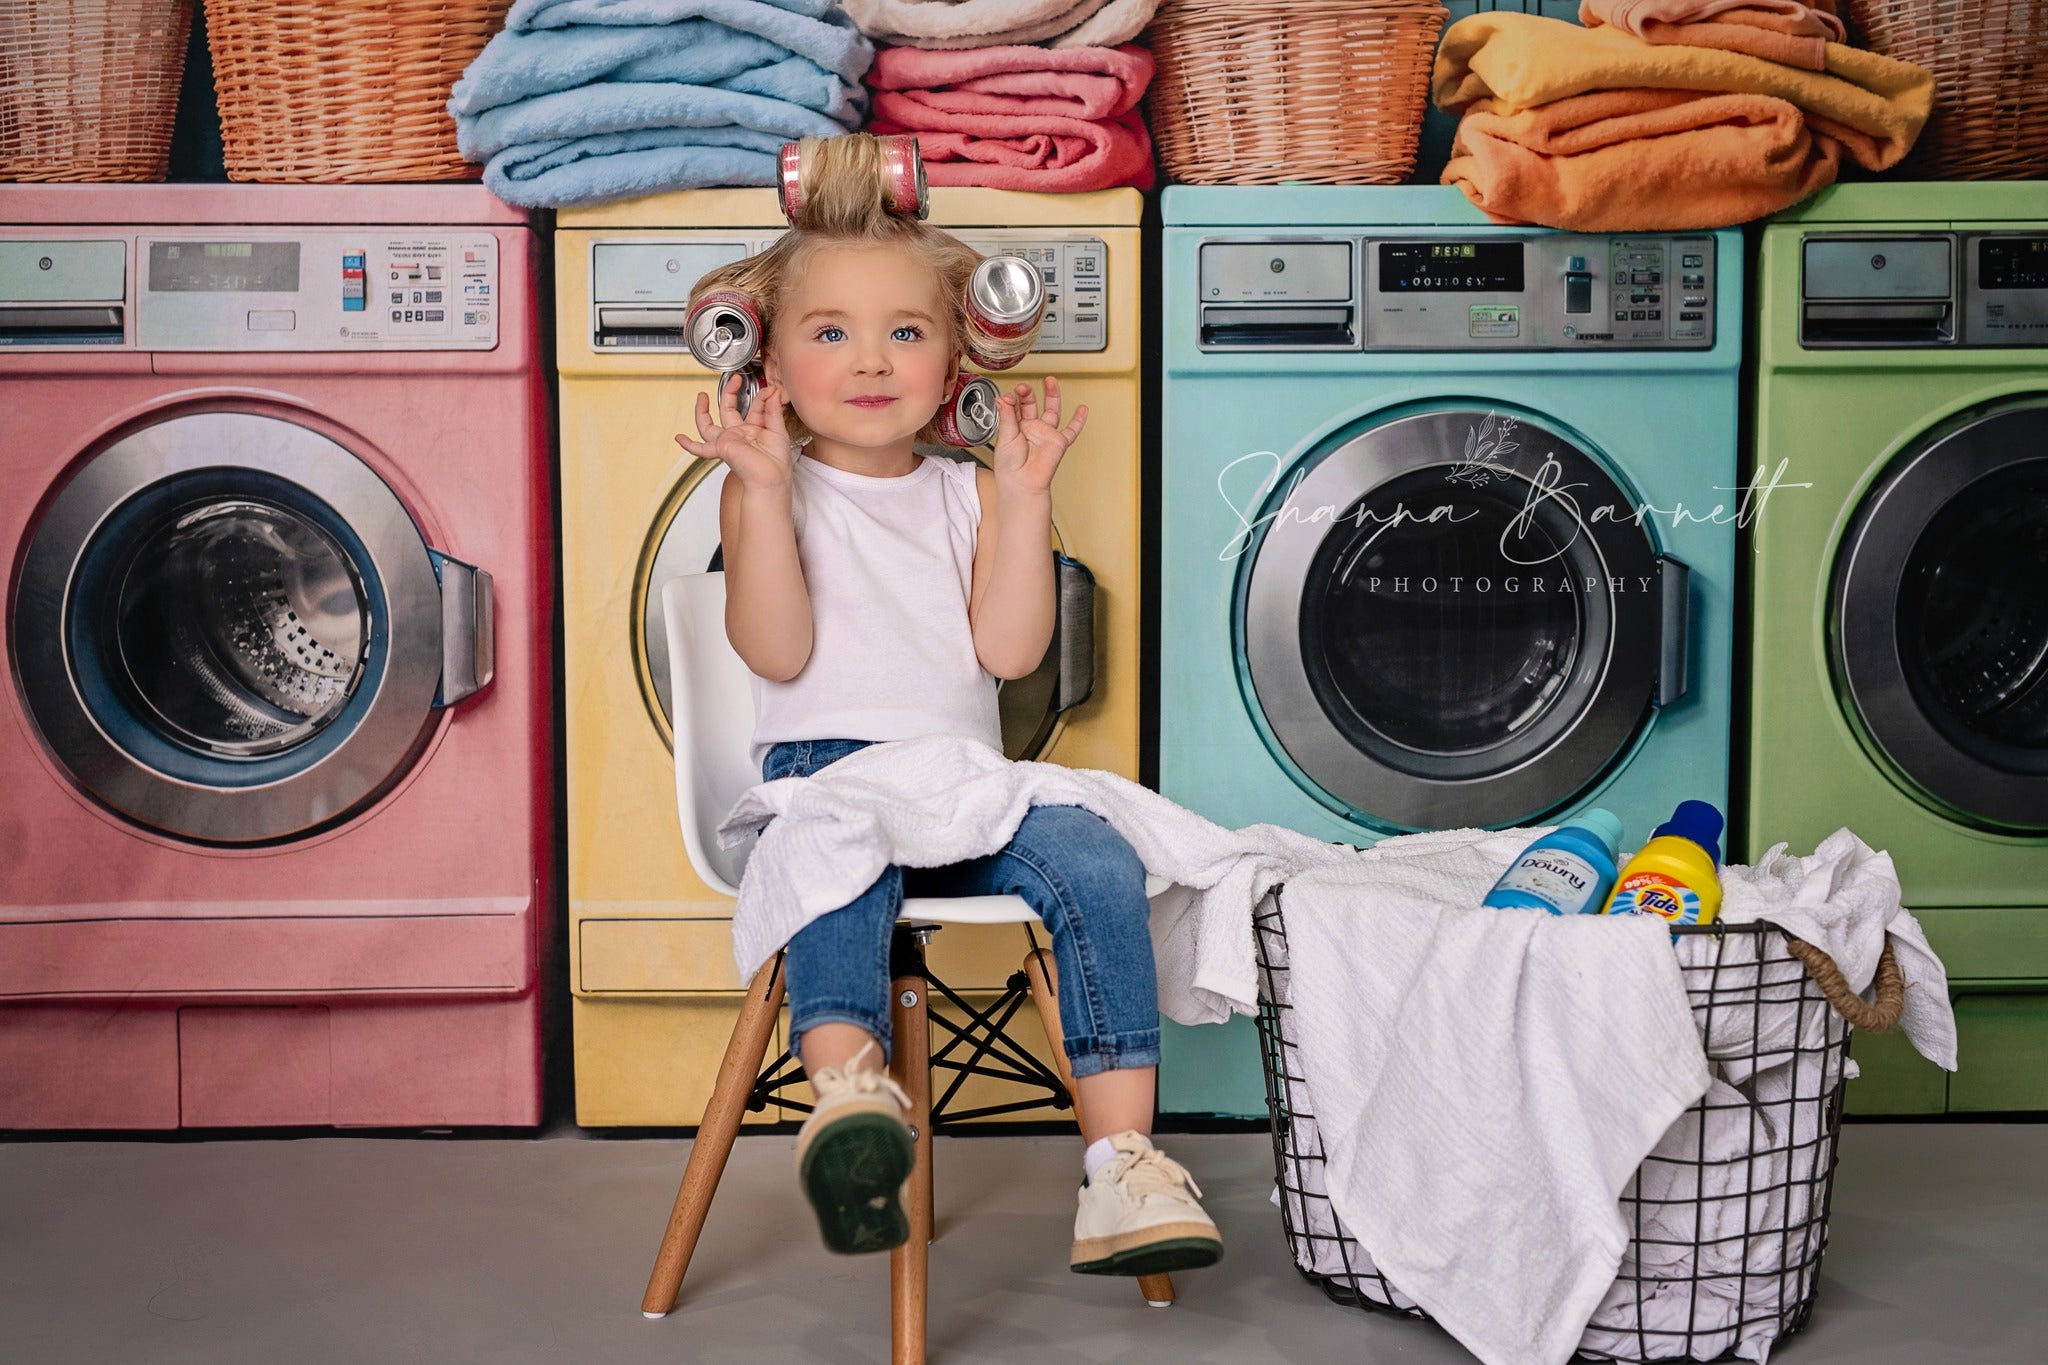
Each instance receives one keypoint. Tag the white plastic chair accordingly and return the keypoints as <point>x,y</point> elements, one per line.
<point>713,709</point>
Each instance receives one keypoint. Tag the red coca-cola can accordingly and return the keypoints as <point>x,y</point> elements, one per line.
<point>791,178</point>
<point>903,183</point>
<point>903,176</point>
<point>1005,296</point>
<point>723,330</point>
<point>968,417</point>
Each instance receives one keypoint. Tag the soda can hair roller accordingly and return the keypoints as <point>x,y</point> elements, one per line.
<point>968,416</point>
<point>723,330</point>
<point>903,183</point>
<point>1005,303</point>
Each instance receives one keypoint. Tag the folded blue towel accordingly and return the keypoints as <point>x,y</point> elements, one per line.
<point>597,110</point>
<point>817,29</point>
<point>584,100</point>
<point>591,170</point>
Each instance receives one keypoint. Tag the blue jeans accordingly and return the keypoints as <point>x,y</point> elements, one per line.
<point>1077,873</point>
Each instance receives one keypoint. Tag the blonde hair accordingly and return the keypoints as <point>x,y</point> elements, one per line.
<point>843,205</point>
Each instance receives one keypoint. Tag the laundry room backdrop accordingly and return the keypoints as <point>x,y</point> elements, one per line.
<point>1498,411</point>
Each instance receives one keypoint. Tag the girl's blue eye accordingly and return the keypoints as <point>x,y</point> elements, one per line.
<point>830,334</point>
<point>915,333</point>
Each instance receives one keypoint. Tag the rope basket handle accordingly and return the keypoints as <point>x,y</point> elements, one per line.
<point>1880,1016</point>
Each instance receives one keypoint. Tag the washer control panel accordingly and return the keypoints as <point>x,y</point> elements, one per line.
<point>2006,290</point>
<point>1447,291</point>
<point>356,289</point>
<point>640,286</point>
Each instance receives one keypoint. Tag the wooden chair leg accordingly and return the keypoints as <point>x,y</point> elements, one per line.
<point>1044,977</point>
<point>909,1264</point>
<point>736,1076</point>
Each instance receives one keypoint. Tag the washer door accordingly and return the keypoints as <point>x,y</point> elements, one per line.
<point>229,629</point>
<point>1455,617</point>
<point>1938,622</point>
<point>687,542</point>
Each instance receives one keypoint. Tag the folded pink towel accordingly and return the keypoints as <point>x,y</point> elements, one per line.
<point>1019,118</point>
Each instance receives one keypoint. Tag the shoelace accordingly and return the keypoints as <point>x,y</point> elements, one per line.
<point>833,1080</point>
<point>1154,1172</point>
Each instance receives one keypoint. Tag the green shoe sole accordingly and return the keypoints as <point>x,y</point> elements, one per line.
<point>1159,1258</point>
<point>853,1173</point>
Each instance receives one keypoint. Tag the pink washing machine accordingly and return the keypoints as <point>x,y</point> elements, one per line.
<point>274,741</point>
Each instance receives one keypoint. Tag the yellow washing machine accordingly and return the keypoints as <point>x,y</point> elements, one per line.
<point>650,948</point>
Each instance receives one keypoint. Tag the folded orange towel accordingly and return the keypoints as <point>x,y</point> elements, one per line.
<point>1821,15</point>
<point>1776,30</point>
<point>1640,160</point>
<point>1521,61</point>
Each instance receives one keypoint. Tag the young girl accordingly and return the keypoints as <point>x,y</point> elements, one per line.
<point>877,594</point>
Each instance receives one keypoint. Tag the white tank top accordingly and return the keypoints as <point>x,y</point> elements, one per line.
<point>889,564</point>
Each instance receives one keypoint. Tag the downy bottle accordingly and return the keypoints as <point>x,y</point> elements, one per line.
<point>1568,871</point>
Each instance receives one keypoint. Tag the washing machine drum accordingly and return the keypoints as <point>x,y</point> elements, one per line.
<point>1939,619</point>
<point>1439,626</point>
<point>230,630</point>
<point>687,542</point>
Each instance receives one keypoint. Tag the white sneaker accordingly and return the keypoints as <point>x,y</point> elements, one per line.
<point>1138,1216</point>
<point>852,1156</point>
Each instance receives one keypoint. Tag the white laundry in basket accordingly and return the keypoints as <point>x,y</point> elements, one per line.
<point>1695,1277</point>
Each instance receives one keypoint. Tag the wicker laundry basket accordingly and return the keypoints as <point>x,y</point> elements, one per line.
<point>1707,1227</point>
<point>1990,65</point>
<point>344,90</point>
<point>1254,92</point>
<point>89,88</point>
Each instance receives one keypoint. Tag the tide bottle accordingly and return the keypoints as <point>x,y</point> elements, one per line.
<point>1676,874</point>
<point>1567,872</point>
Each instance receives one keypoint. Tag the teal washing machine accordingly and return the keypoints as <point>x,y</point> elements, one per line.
<point>1448,517</point>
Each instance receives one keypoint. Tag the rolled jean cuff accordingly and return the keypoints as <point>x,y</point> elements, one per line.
<point>1120,1052</point>
<point>878,1028</point>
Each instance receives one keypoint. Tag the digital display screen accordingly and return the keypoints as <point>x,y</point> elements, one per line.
<point>1450,267</point>
<point>224,267</point>
<point>2012,262</point>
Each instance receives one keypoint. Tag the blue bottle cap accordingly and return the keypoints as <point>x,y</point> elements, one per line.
<point>1603,825</point>
<point>1698,821</point>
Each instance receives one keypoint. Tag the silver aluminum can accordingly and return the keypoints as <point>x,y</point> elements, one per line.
<point>723,330</point>
<point>1005,296</point>
<point>969,417</point>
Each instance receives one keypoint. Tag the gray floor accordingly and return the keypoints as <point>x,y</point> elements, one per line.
<point>400,1250</point>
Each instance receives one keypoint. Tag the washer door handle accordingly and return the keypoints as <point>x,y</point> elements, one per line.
<point>468,629</point>
<point>1074,635</point>
<point>1674,629</point>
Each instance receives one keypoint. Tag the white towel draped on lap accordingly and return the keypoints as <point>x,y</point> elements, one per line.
<point>942,800</point>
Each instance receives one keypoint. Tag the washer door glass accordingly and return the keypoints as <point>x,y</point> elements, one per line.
<point>1435,629</point>
<point>230,629</point>
<point>236,627</point>
<point>687,542</point>
<point>1940,629</point>
<point>1414,645</point>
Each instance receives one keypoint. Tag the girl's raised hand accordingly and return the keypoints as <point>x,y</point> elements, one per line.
<point>1030,444</point>
<point>755,447</point>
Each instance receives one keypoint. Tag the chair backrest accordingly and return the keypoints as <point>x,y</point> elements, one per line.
<point>713,710</point>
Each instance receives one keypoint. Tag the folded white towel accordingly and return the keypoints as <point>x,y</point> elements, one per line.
<point>1486,1082</point>
<point>1001,23</point>
<point>942,800</point>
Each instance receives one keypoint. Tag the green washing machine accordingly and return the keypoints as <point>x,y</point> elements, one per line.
<point>1899,592</point>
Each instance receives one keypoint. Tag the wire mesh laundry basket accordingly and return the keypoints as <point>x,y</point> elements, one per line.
<point>1254,92</point>
<point>89,88</point>
<point>311,90</point>
<point>1709,1229</point>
